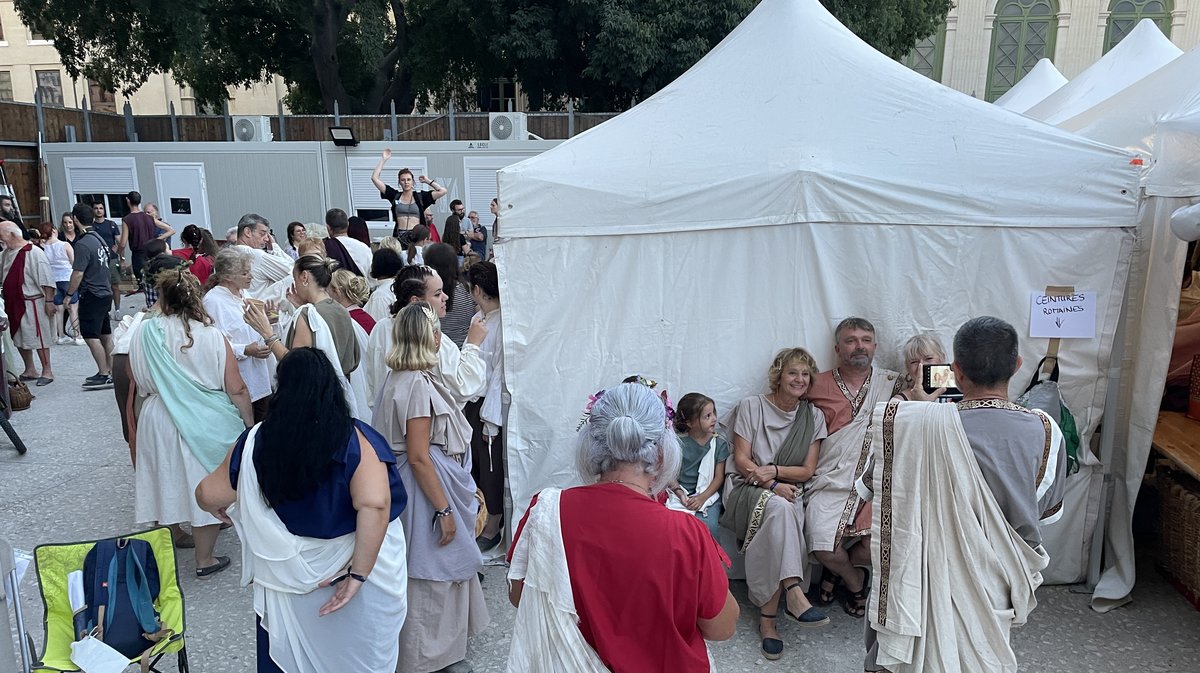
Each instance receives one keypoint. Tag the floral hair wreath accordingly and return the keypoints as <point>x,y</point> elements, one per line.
<point>636,378</point>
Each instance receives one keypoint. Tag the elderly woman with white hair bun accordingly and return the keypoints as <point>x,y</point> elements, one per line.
<point>603,576</point>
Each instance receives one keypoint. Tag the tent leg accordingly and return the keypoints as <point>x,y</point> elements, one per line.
<point>1108,433</point>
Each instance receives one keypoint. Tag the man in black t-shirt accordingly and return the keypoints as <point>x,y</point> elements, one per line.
<point>90,276</point>
<point>109,231</point>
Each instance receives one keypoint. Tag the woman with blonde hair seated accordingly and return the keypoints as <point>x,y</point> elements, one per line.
<point>776,444</point>
<point>431,439</point>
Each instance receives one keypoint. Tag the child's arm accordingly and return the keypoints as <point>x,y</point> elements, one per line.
<point>714,485</point>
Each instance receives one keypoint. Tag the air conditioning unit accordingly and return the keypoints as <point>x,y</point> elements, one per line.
<point>507,126</point>
<point>255,129</point>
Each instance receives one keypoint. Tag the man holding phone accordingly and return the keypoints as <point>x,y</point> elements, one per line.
<point>960,492</point>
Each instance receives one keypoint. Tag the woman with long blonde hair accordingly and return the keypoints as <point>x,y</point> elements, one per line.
<point>431,440</point>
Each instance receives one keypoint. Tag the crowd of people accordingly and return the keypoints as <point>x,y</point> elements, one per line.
<point>343,405</point>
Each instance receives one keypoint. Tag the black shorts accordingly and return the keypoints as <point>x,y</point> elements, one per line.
<point>93,316</point>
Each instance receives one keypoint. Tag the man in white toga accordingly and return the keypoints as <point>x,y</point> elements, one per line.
<point>959,494</point>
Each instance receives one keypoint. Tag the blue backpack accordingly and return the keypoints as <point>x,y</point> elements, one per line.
<point>120,584</point>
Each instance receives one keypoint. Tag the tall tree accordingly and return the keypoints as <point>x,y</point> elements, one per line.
<point>608,54</point>
<point>349,51</point>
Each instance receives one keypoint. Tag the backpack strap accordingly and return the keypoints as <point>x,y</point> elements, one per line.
<point>139,592</point>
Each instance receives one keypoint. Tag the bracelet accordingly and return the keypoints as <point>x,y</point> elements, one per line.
<point>348,574</point>
<point>441,513</point>
<point>776,472</point>
<point>270,340</point>
<point>773,485</point>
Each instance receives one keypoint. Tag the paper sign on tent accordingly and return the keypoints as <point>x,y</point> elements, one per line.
<point>1062,316</point>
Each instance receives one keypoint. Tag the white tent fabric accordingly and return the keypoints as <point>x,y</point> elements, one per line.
<point>1144,50</point>
<point>1043,80</point>
<point>1159,118</point>
<point>743,209</point>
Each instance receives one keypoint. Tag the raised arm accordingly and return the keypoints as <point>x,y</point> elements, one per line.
<point>377,174</point>
<point>435,190</point>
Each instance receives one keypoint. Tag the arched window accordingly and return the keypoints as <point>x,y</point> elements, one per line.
<point>1022,33</point>
<point>927,56</point>
<point>1125,14</point>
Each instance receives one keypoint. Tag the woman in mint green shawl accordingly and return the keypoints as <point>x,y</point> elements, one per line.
<point>194,407</point>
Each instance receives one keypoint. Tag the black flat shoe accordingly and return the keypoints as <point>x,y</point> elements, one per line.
<point>221,564</point>
<point>487,543</point>
<point>772,648</point>
<point>811,618</point>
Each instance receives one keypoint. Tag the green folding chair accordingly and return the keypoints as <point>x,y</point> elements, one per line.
<point>55,561</point>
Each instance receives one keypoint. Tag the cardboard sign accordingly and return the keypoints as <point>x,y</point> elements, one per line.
<point>1069,315</point>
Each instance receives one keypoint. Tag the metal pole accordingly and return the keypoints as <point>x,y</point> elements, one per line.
<point>282,123</point>
<point>571,118</point>
<point>1107,440</point>
<point>87,121</point>
<point>41,116</point>
<point>337,114</point>
<point>174,122</point>
<point>69,130</point>
<point>395,128</point>
<point>228,121</point>
<point>450,117</point>
<point>130,129</point>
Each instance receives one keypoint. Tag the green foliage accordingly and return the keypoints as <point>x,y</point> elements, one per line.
<point>893,27</point>
<point>609,54</point>
<point>603,54</point>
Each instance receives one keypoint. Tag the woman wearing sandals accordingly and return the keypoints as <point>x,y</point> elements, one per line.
<point>776,442</point>
<point>183,368</point>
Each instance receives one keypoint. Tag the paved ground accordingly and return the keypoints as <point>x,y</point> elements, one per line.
<point>76,483</point>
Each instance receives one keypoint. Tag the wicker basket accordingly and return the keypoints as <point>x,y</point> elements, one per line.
<point>1180,498</point>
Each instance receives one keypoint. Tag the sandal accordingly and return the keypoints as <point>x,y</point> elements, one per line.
<point>856,604</point>
<point>811,618</point>
<point>828,589</point>
<point>221,564</point>
<point>772,648</point>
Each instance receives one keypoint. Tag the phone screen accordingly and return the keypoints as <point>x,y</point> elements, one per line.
<point>934,376</point>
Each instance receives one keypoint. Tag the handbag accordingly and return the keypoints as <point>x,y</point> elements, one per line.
<point>1046,396</point>
<point>481,517</point>
<point>19,397</point>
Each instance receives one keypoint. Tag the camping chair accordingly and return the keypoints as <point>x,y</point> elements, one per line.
<point>56,561</point>
<point>10,595</point>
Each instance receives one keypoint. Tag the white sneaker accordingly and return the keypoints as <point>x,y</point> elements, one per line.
<point>79,341</point>
<point>63,340</point>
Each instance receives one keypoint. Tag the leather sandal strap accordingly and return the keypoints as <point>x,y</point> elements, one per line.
<point>793,585</point>
<point>764,616</point>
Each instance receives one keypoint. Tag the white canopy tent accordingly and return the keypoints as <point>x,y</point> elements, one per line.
<point>1043,80</point>
<point>743,209</point>
<point>1158,118</point>
<point>1144,50</point>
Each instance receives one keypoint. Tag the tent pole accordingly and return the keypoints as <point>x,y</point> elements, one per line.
<point>1107,440</point>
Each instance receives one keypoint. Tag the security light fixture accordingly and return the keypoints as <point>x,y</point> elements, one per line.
<point>342,136</point>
